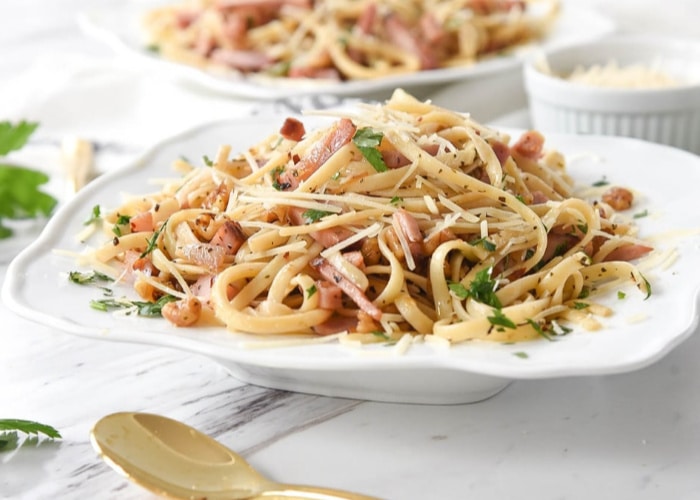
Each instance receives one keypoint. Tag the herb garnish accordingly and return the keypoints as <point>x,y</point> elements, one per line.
<point>122,223</point>
<point>87,278</point>
<point>312,215</point>
<point>603,182</point>
<point>14,137</point>
<point>207,161</point>
<point>367,141</point>
<point>501,320</point>
<point>483,288</point>
<point>142,308</point>
<point>639,215</point>
<point>20,197</point>
<point>10,427</point>
<point>484,242</point>
<point>540,331</point>
<point>152,243</point>
<point>95,216</point>
<point>311,291</point>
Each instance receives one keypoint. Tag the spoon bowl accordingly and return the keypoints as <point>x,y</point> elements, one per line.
<point>175,460</point>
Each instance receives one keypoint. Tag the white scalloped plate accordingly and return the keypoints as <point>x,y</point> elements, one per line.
<point>118,23</point>
<point>640,332</point>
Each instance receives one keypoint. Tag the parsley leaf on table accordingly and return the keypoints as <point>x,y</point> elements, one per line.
<point>10,427</point>
<point>20,196</point>
<point>13,137</point>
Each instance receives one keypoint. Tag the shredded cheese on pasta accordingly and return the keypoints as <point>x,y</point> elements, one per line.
<point>327,235</point>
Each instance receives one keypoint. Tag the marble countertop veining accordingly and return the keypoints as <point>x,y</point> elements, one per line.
<point>626,436</point>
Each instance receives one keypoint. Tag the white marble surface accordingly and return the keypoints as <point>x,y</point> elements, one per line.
<point>634,435</point>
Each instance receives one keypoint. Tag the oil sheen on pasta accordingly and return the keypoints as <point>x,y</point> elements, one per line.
<point>342,39</point>
<point>399,218</point>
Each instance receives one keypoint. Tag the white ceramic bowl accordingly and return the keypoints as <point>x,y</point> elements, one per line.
<point>667,115</point>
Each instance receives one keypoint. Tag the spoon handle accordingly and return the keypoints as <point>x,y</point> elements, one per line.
<point>297,492</point>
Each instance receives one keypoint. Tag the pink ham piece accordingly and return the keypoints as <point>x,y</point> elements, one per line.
<point>340,134</point>
<point>330,296</point>
<point>628,253</point>
<point>326,237</point>
<point>336,324</point>
<point>402,37</point>
<point>410,229</point>
<point>331,274</point>
<point>530,145</point>
<point>229,236</point>
<point>242,60</point>
<point>141,222</point>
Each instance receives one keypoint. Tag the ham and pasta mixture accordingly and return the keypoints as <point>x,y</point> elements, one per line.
<point>342,39</point>
<point>393,219</point>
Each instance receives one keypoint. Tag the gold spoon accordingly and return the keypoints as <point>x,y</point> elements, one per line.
<point>172,459</point>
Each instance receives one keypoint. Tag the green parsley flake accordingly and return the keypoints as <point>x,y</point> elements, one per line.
<point>312,215</point>
<point>501,320</point>
<point>367,141</point>
<point>95,216</point>
<point>152,243</point>
<point>87,278</point>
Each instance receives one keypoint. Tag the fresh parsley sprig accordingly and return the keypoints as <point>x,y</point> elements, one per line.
<point>20,196</point>
<point>10,427</point>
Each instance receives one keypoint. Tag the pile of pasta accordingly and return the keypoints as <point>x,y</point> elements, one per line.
<point>342,39</point>
<point>395,218</point>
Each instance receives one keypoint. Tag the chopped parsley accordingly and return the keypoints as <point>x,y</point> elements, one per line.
<point>482,289</point>
<point>207,161</point>
<point>639,215</point>
<point>152,243</point>
<point>580,305</point>
<point>367,141</point>
<point>521,355</point>
<point>602,182</point>
<point>484,242</point>
<point>121,225</point>
<point>501,320</point>
<point>621,295</point>
<point>396,200</point>
<point>87,278</point>
<point>95,216</point>
<point>312,215</point>
<point>142,308</point>
<point>311,291</point>
<point>540,331</point>
<point>275,174</point>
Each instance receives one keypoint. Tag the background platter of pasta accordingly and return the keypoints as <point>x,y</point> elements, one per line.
<point>279,49</point>
<point>447,221</point>
<point>394,220</point>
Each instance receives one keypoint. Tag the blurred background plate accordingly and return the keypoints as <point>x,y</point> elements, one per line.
<point>118,24</point>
